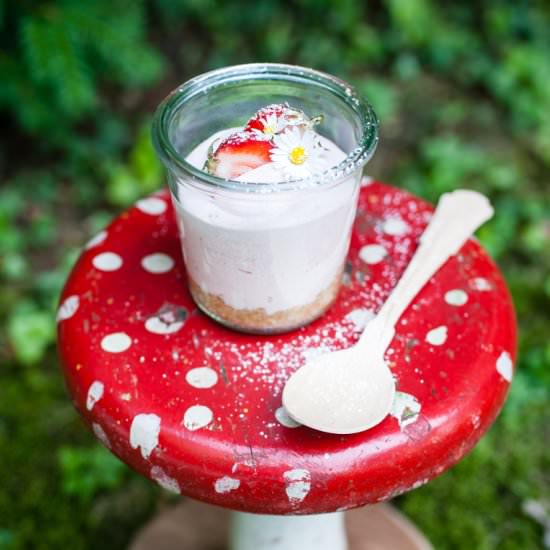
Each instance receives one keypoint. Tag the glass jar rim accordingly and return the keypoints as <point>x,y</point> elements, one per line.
<point>356,159</point>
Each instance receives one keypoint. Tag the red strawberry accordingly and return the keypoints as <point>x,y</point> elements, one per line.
<point>238,154</point>
<point>274,118</point>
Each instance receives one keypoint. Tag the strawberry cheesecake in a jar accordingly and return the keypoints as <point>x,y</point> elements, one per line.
<point>264,165</point>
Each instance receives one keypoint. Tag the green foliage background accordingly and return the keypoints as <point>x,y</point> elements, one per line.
<point>463,92</point>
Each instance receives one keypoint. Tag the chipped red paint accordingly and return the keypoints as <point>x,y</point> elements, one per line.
<point>244,458</point>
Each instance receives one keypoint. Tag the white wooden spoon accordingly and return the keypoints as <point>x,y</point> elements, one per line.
<point>351,390</point>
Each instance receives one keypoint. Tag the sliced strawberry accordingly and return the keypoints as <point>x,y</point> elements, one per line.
<point>238,154</point>
<point>274,118</point>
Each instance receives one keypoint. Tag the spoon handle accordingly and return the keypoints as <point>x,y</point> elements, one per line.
<point>457,216</point>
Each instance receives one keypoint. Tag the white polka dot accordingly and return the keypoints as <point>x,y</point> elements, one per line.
<point>97,240</point>
<point>395,227</point>
<point>405,408</point>
<point>99,432</point>
<point>226,484</point>
<point>456,297</point>
<point>197,417</point>
<point>360,317</point>
<point>158,325</point>
<point>373,253</point>
<point>298,484</point>
<point>164,480</point>
<point>505,367</point>
<point>144,433</point>
<point>437,336</point>
<point>151,206</point>
<point>116,342</point>
<point>157,263</point>
<point>68,308</point>
<point>95,393</point>
<point>107,261</point>
<point>202,377</point>
<point>282,416</point>
<point>481,284</point>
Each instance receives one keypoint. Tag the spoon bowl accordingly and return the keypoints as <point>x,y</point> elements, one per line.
<point>340,411</point>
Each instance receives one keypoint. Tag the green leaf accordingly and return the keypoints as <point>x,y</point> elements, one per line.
<point>416,20</point>
<point>382,95</point>
<point>42,230</point>
<point>278,40</point>
<point>55,60</point>
<point>7,539</point>
<point>122,186</point>
<point>86,471</point>
<point>12,240</point>
<point>144,163</point>
<point>30,332</point>
<point>14,266</point>
<point>536,236</point>
<point>120,42</point>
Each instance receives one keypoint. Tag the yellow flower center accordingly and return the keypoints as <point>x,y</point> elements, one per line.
<point>269,129</point>
<point>297,155</point>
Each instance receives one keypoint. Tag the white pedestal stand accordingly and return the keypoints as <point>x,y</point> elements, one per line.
<point>264,532</point>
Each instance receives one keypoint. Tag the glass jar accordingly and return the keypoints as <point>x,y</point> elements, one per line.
<point>264,257</point>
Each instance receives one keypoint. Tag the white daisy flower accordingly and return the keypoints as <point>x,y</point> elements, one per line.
<point>298,154</point>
